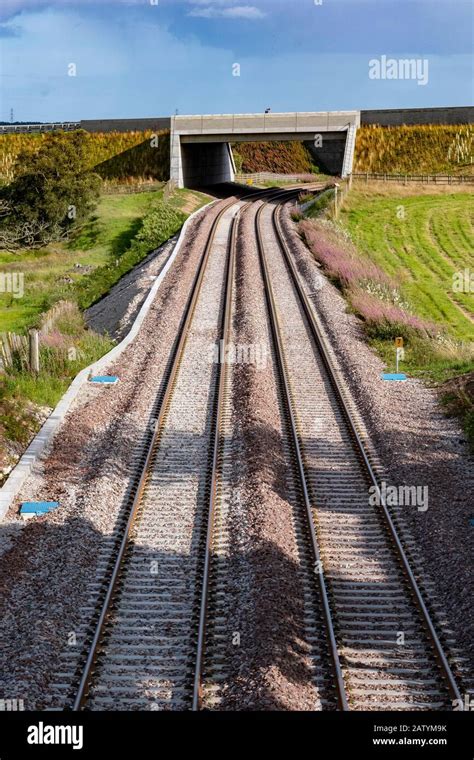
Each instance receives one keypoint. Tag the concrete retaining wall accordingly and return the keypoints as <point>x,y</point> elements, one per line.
<point>396,116</point>
<point>208,164</point>
<point>126,125</point>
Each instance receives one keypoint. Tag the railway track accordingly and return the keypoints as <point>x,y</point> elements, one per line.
<point>386,654</point>
<point>155,642</point>
<point>144,649</point>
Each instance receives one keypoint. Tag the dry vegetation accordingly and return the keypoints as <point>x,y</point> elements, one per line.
<point>278,157</point>
<point>418,149</point>
<point>121,156</point>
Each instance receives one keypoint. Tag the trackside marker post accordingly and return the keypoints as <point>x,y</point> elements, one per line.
<point>400,355</point>
<point>400,350</point>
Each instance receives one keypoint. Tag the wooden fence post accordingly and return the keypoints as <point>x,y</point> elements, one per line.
<point>34,351</point>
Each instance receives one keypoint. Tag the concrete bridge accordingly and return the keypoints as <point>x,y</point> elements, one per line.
<point>201,152</point>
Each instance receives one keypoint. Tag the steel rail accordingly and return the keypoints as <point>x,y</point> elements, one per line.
<point>288,403</point>
<point>226,328</point>
<point>93,649</point>
<point>223,342</point>
<point>320,343</point>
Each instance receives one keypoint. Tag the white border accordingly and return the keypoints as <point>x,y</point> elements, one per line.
<point>42,440</point>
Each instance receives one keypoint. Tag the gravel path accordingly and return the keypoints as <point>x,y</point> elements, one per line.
<point>416,445</point>
<point>46,565</point>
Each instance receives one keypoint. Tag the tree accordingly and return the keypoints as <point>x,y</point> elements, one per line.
<point>53,190</point>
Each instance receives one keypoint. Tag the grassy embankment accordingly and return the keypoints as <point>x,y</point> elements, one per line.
<point>120,233</point>
<point>416,149</point>
<point>421,242</point>
<point>398,254</point>
<point>61,271</point>
<point>119,157</point>
<point>277,157</point>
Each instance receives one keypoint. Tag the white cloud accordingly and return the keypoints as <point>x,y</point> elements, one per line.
<point>235,11</point>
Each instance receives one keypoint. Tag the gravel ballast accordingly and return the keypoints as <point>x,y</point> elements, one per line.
<point>115,313</point>
<point>416,445</point>
<point>46,565</point>
<point>271,666</point>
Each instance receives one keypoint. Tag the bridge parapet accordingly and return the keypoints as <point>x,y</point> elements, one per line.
<point>197,155</point>
<point>235,124</point>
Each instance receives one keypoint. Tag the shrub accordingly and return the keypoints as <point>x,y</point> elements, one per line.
<point>386,320</point>
<point>157,227</point>
<point>52,191</point>
<point>372,294</point>
<point>321,204</point>
<point>343,265</point>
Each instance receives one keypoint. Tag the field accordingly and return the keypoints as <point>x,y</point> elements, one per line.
<point>422,241</point>
<point>49,273</point>
<point>422,238</point>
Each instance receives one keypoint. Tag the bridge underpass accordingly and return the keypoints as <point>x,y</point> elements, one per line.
<point>201,152</point>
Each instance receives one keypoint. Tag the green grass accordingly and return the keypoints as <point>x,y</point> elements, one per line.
<point>112,226</point>
<point>422,251</point>
<point>427,359</point>
<point>103,238</point>
<point>120,233</point>
<point>101,241</point>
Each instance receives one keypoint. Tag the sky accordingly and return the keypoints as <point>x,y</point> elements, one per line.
<point>86,59</point>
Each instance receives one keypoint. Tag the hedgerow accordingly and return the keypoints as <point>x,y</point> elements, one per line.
<point>158,226</point>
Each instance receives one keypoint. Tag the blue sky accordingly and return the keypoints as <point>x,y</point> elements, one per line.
<point>138,58</point>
